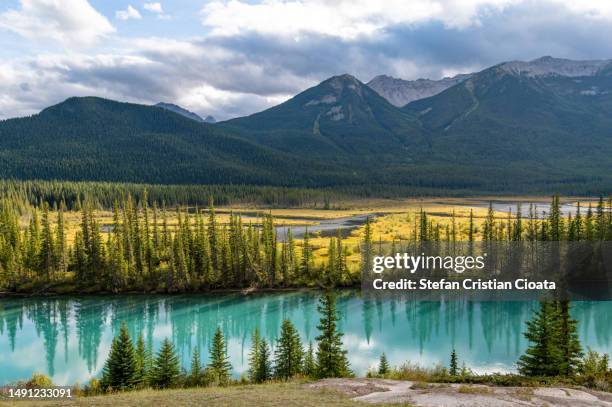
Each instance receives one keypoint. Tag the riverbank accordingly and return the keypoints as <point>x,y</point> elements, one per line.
<point>383,391</point>
<point>213,292</point>
<point>341,393</point>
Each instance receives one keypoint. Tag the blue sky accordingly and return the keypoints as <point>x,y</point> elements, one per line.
<point>231,58</point>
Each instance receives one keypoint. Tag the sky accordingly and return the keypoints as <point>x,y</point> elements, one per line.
<point>233,58</point>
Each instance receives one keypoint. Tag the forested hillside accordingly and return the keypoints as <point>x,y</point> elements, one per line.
<point>543,126</point>
<point>97,139</point>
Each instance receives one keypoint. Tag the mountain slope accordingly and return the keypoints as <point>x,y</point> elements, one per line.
<point>539,122</point>
<point>341,116</point>
<point>97,139</point>
<point>541,126</point>
<point>400,92</point>
<point>183,112</point>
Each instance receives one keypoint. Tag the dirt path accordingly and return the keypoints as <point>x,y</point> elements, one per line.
<point>457,395</point>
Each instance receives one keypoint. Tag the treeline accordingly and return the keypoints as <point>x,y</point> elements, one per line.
<point>142,251</point>
<point>591,224</point>
<point>131,364</point>
<point>103,195</point>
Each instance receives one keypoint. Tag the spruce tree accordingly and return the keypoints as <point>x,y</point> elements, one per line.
<point>383,365</point>
<point>254,355</point>
<point>60,241</point>
<point>367,251</point>
<point>306,264</point>
<point>542,356</point>
<point>570,351</point>
<point>219,363</point>
<point>471,226</point>
<point>310,364</point>
<point>166,369</point>
<point>47,246</point>
<point>454,365</point>
<point>489,225</point>
<point>143,360</point>
<point>120,371</point>
<point>288,353</point>
<point>331,358</point>
<point>195,375</point>
<point>264,365</point>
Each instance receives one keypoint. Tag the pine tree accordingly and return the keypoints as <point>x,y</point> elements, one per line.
<point>331,358</point>
<point>555,220</point>
<point>600,223</point>
<point>264,365</point>
<point>367,252</point>
<point>542,356</point>
<point>454,365</point>
<point>60,241</point>
<point>517,229</point>
<point>254,355</point>
<point>489,225</point>
<point>471,226</point>
<point>219,363</point>
<point>310,365</point>
<point>166,367</point>
<point>143,360</point>
<point>568,341</point>
<point>47,248</point>
<point>213,236</point>
<point>288,353</point>
<point>383,365</point>
<point>195,375</point>
<point>423,233</point>
<point>306,265</point>
<point>120,370</point>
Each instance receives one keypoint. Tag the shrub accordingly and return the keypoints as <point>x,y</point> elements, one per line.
<point>474,390</point>
<point>39,380</point>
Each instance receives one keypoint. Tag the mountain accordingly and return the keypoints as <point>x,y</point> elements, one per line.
<point>541,126</point>
<point>183,112</point>
<point>210,119</point>
<point>400,92</point>
<point>549,66</point>
<point>542,122</point>
<point>97,139</point>
<point>339,117</point>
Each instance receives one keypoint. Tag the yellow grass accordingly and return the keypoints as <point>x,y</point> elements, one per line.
<point>395,218</point>
<point>291,394</point>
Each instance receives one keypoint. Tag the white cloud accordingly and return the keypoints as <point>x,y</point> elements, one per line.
<point>68,22</point>
<point>352,19</point>
<point>344,19</point>
<point>129,12</point>
<point>154,7</point>
<point>227,75</point>
<point>598,9</point>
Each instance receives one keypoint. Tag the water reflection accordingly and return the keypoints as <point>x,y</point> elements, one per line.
<point>69,338</point>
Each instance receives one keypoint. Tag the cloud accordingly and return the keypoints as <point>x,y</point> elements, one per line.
<point>238,67</point>
<point>344,19</point>
<point>67,22</point>
<point>154,7</point>
<point>128,13</point>
<point>351,19</point>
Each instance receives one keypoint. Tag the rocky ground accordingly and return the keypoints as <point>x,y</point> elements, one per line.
<point>456,395</point>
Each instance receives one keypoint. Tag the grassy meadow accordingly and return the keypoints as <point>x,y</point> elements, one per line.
<point>392,219</point>
<point>294,394</point>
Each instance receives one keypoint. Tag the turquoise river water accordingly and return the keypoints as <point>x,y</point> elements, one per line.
<point>69,338</point>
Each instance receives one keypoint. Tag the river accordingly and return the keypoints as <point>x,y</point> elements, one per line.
<point>69,338</point>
